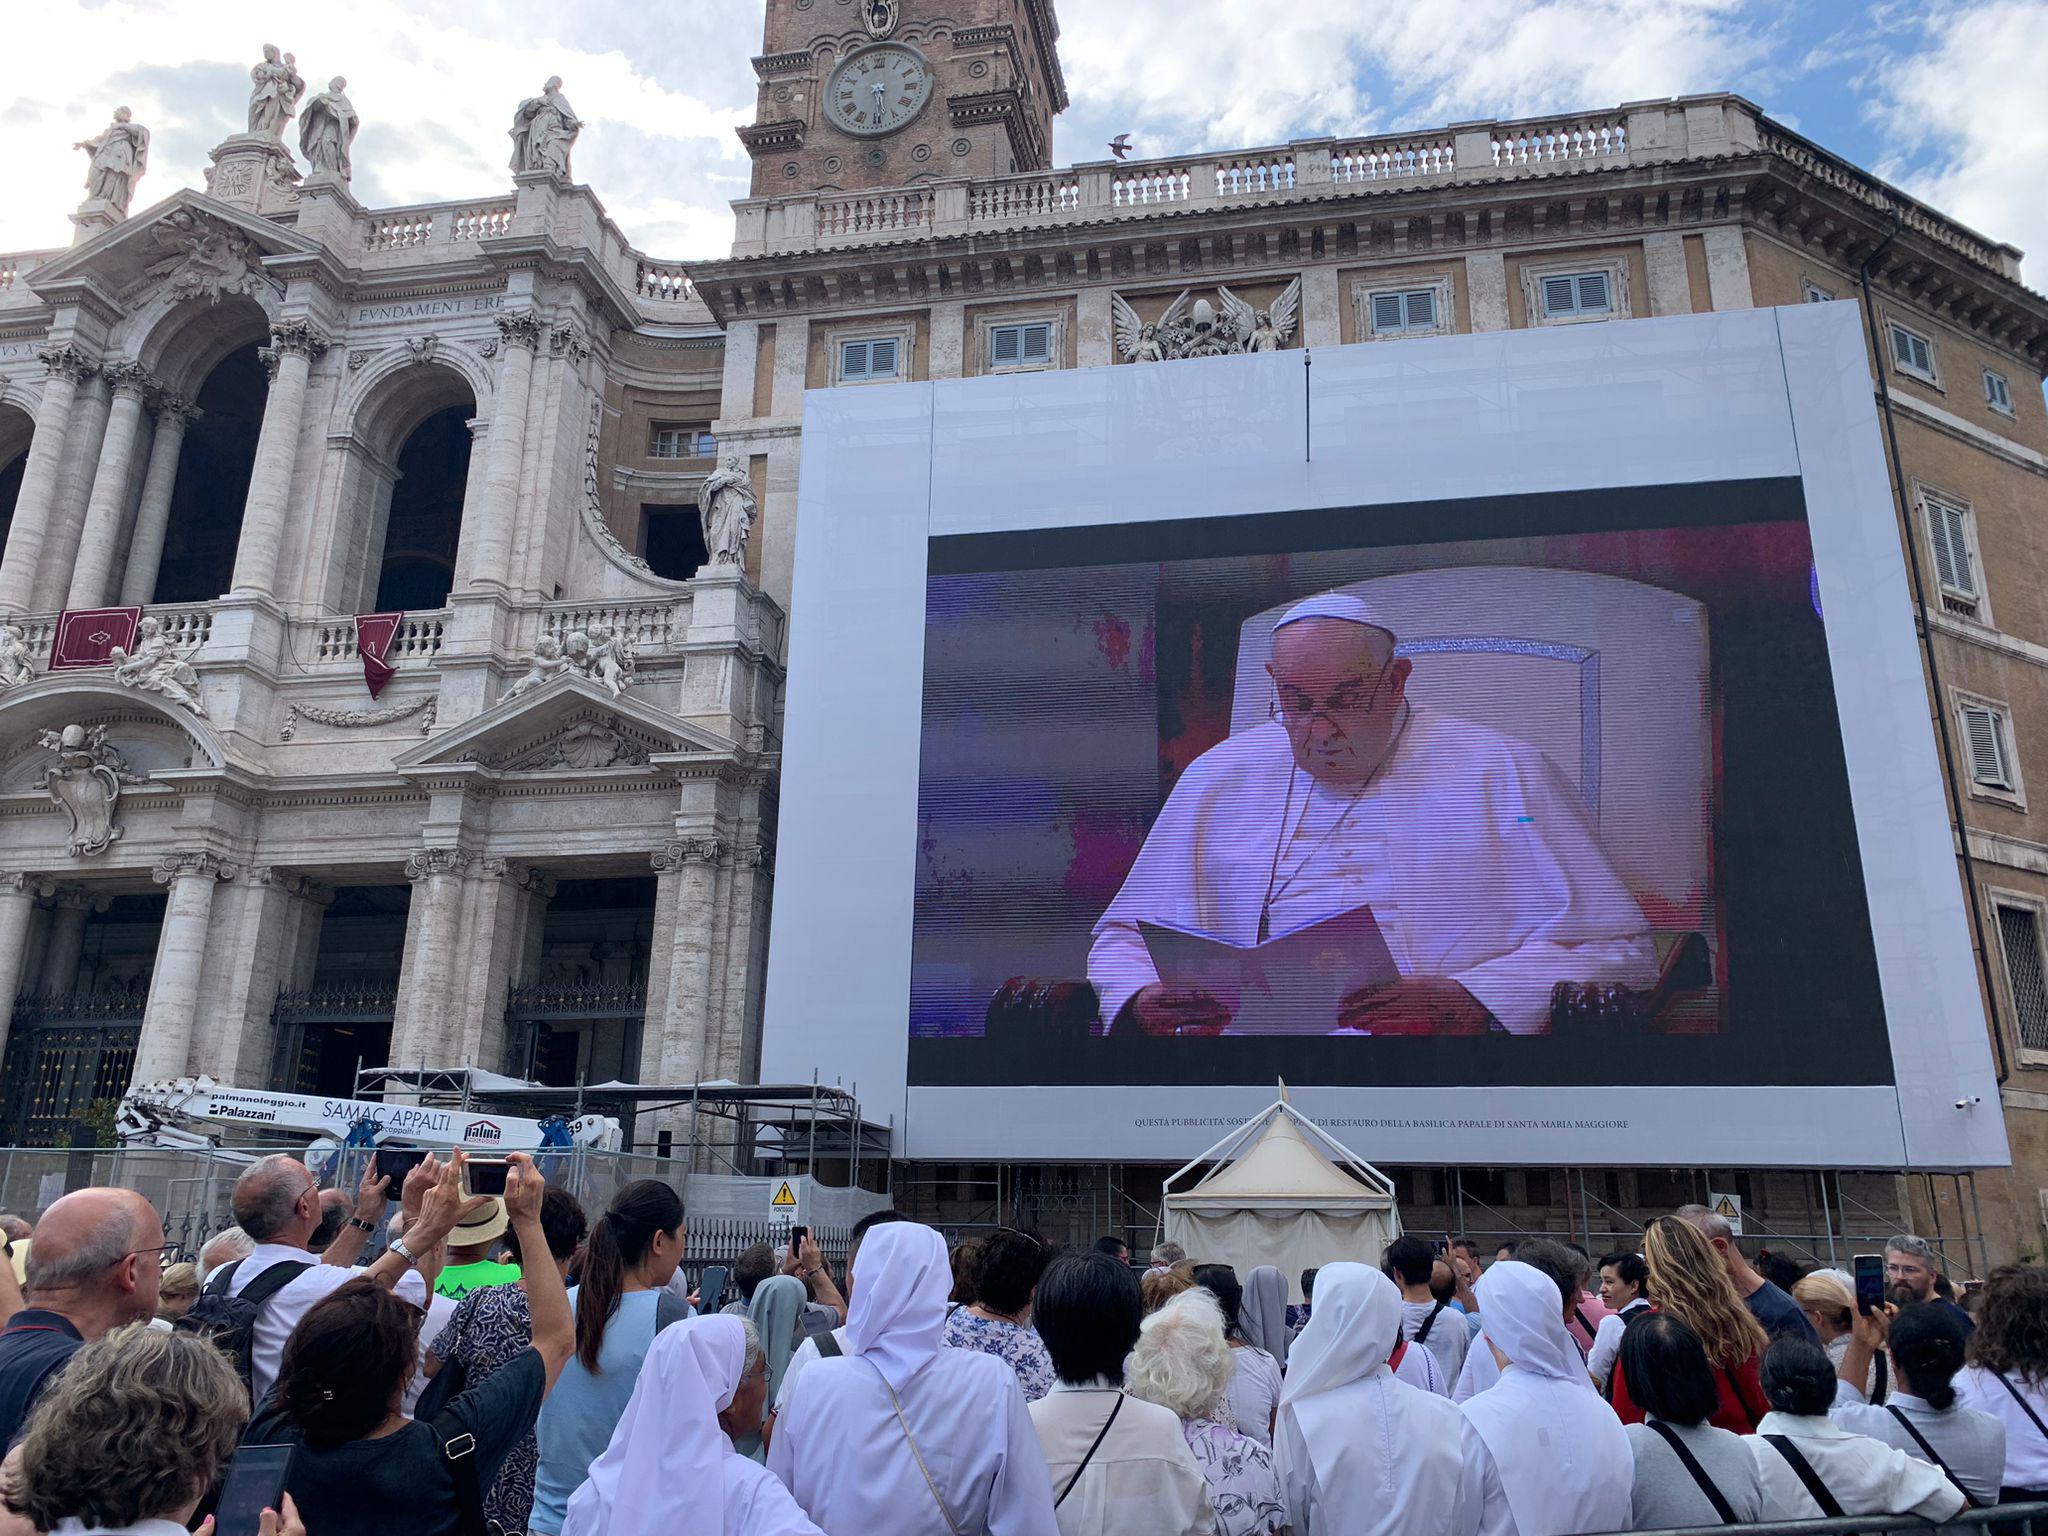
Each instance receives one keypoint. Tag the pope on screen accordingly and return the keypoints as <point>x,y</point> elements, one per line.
<point>1471,849</point>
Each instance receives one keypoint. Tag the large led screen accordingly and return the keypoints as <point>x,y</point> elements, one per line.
<point>1534,789</point>
<point>1516,743</point>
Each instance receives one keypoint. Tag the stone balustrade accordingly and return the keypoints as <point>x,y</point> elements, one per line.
<point>652,627</point>
<point>15,266</point>
<point>1636,134</point>
<point>418,639</point>
<point>665,282</point>
<point>431,224</point>
<point>186,625</point>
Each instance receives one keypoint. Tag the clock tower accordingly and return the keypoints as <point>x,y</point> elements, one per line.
<point>857,94</point>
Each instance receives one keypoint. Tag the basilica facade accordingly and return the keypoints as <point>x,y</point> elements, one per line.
<point>565,472</point>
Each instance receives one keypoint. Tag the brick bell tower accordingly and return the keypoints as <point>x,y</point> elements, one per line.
<point>857,94</point>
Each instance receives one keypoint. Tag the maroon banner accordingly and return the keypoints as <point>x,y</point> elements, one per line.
<point>86,637</point>
<point>374,632</point>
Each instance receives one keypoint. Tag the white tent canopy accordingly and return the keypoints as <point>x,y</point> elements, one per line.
<point>1282,1191</point>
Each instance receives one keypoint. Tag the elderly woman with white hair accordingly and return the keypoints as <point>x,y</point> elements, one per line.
<point>671,1465</point>
<point>1184,1362</point>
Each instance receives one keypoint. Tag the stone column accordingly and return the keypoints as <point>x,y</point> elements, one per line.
<point>67,368</point>
<point>948,341</point>
<point>673,1044</point>
<point>165,1050</point>
<point>65,941</point>
<point>294,345</point>
<point>421,1031</point>
<point>257,950</point>
<point>100,541</point>
<point>1094,329</point>
<point>486,555</point>
<point>507,903</point>
<point>17,911</point>
<point>1322,315</point>
<point>153,516</point>
<point>1727,267</point>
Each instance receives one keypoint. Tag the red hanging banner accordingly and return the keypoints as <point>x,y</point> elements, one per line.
<point>86,637</point>
<point>374,632</point>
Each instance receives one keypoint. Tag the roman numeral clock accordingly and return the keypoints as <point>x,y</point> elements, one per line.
<point>877,90</point>
<point>857,95</point>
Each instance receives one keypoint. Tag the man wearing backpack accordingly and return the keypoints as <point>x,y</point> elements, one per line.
<point>93,1265</point>
<point>277,1202</point>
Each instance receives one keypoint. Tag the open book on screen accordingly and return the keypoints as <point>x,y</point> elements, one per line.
<point>1290,985</point>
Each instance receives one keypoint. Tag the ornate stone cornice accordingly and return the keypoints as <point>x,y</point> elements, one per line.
<point>429,862</point>
<point>171,866</point>
<point>779,138</point>
<point>679,852</point>
<point>521,329</point>
<point>67,362</point>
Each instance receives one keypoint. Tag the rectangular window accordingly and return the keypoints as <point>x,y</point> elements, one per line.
<point>2019,937</point>
<point>1020,346</point>
<point>1913,353</point>
<point>1948,530</point>
<point>1984,738</point>
<point>863,362</point>
<point>1997,393</point>
<point>670,440</point>
<point>1401,311</point>
<point>1577,295</point>
<point>1815,294</point>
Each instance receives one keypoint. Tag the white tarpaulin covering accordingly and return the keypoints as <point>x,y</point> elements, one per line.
<point>1283,1192</point>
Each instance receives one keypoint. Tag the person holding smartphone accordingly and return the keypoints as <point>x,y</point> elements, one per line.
<point>130,1438</point>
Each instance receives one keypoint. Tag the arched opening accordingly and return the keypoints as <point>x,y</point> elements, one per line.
<point>16,428</point>
<point>425,523</point>
<point>213,481</point>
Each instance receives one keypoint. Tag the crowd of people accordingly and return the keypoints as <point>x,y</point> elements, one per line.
<point>514,1363</point>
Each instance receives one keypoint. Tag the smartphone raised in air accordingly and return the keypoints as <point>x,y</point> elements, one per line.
<point>1869,1282</point>
<point>394,1163</point>
<point>487,1175</point>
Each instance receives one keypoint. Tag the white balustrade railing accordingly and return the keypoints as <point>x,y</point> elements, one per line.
<point>664,282</point>
<point>16,265</point>
<point>875,213</point>
<point>1000,201</point>
<point>1148,186</point>
<point>1560,143</point>
<point>1406,159</point>
<point>1252,174</point>
<point>648,627</point>
<point>400,231</point>
<point>418,639</point>
<point>186,625</point>
<point>478,223</point>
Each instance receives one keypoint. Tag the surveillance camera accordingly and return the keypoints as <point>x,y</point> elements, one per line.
<point>1966,1103</point>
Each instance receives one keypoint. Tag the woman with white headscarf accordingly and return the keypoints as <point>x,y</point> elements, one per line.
<point>900,1435</point>
<point>671,1465</point>
<point>1359,1451</point>
<point>775,1311</point>
<point>1264,1318</point>
<point>1543,1453</point>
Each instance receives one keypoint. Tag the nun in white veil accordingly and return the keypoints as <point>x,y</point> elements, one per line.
<point>671,1465</point>
<point>899,1436</point>
<point>1359,1451</point>
<point>1543,1455</point>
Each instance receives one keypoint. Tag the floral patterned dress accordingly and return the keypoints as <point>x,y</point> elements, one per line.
<point>492,1327</point>
<point>1016,1346</point>
<point>1244,1490</point>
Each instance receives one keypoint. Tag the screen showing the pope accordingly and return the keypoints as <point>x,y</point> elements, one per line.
<point>1540,790</point>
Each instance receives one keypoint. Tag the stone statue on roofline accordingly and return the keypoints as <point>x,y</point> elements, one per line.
<point>275,88</point>
<point>729,508</point>
<point>543,131</point>
<point>327,128</point>
<point>120,154</point>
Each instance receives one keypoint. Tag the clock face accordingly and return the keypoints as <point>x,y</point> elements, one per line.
<point>878,90</point>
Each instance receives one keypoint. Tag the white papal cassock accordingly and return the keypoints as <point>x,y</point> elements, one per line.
<point>1473,851</point>
<point>848,1457</point>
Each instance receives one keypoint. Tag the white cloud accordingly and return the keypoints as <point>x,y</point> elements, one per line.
<point>435,87</point>
<point>1257,76</point>
<point>1964,119</point>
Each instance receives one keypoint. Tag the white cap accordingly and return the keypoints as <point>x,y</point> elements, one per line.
<point>1341,606</point>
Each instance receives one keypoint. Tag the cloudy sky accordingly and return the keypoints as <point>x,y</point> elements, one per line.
<point>1941,96</point>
